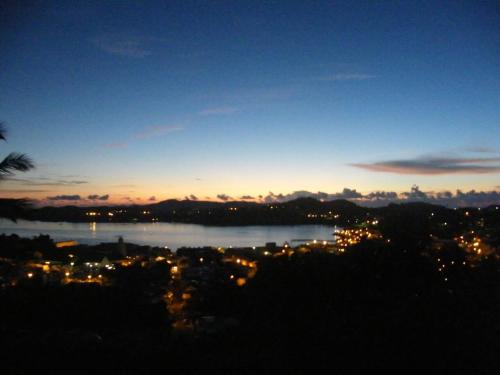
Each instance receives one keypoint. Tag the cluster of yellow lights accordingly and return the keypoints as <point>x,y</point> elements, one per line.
<point>350,237</point>
<point>323,216</point>
<point>470,243</point>
<point>93,213</point>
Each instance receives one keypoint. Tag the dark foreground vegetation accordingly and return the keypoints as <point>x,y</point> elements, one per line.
<point>405,288</point>
<point>376,307</point>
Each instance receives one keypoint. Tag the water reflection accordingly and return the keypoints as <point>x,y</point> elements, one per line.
<point>175,235</point>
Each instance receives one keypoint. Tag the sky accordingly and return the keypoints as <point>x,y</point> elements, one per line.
<point>121,102</point>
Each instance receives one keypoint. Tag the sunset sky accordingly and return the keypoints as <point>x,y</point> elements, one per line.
<point>138,102</point>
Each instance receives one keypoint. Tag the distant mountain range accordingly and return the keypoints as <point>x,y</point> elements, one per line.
<point>298,211</point>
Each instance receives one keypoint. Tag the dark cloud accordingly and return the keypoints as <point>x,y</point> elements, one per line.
<point>376,195</point>
<point>444,195</point>
<point>435,166</point>
<point>383,198</point>
<point>414,194</point>
<point>223,197</point>
<point>94,197</point>
<point>75,197</point>
<point>345,194</point>
<point>152,198</point>
<point>246,197</point>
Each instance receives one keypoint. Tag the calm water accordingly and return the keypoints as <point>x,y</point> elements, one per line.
<point>168,234</point>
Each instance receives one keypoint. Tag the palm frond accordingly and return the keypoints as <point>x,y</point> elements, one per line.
<point>15,162</point>
<point>3,131</point>
<point>13,209</point>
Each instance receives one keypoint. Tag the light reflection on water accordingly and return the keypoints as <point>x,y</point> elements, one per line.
<point>172,235</point>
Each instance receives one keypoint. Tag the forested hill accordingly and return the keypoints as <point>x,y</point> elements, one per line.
<point>299,211</point>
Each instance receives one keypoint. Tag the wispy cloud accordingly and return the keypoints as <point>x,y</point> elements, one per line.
<point>218,111</point>
<point>434,166</point>
<point>125,45</point>
<point>45,181</point>
<point>346,77</point>
<point>20,191</point>
<point>157,131</point>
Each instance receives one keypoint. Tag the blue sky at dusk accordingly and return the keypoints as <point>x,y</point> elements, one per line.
<point>134,100</point>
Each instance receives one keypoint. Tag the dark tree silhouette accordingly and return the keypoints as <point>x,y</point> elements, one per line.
<point>14,162</point>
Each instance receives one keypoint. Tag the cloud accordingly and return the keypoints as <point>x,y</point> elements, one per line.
<point>152,199</point>
<point>345,194</point>
<point>414,194</point>
<point>146,133</point>
<point>383,198</point>
<point>435,166</point>
<point>346,77</point>
<point>246,197</point>
<point>218,111</point>
<point>157,131</point>
<point>93,197</point>
<point>46,181</point>
<point>75,197</point>
<point>223,197</point>
<point>126,46</point>
<point>348,194</point>
<point>377,195</point>
<point>14,191</point>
